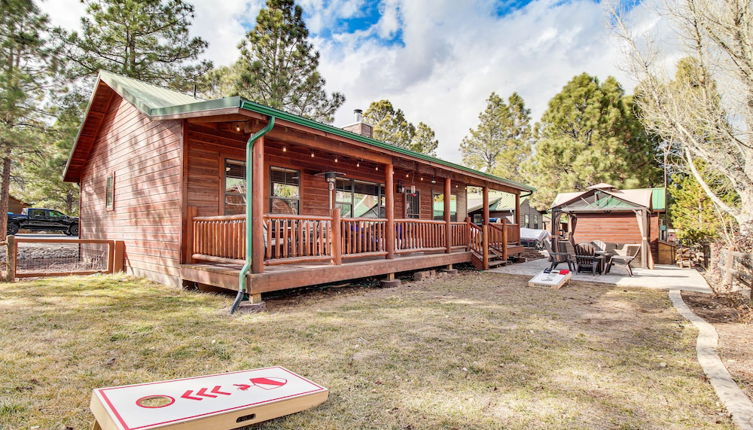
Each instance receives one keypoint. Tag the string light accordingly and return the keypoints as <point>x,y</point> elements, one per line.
<point>406,175</point>
<point>358,163</point>
<point>312,155</point>
<point>238,128</point>
<point>376,168</point>
<point>284,149</point>
<point>336,160</point>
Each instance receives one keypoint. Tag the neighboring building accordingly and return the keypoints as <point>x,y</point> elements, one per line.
<point>504,207</point>
<point>603,212</point>
<point>165,173</point>
<point>16,206</point>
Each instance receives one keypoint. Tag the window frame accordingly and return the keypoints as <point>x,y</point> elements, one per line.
<point>352,190</point>
<point>110,192</point>
<point>272,183</point>
<point>223,184</point>
<point>417,214</point>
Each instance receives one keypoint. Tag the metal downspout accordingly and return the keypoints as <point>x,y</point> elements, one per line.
<point>242,278</point>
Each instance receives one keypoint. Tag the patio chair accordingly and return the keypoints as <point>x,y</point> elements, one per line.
<point>625,259</point>
<point>555,258</point>
<point>586,259</point>
<point>600,245</point>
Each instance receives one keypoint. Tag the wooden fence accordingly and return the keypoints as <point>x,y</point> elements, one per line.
<point>736,269</point>
<point>15,267</point>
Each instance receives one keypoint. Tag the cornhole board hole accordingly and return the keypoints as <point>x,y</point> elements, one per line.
<point>553,280</point>
<point>217,402</point>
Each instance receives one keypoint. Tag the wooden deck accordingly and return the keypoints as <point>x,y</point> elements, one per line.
<point>300,275</point>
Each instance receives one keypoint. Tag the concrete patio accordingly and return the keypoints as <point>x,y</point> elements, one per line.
<point>663,277</point>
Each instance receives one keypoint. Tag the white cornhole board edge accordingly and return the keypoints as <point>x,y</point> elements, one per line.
<point>554,280</point>
<point>108,411</point>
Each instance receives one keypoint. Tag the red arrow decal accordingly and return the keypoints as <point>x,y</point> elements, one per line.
<point>203,392</point>
<point>187,395</point>
<point>268,383</point>
<point>216,390</point>
<point>242,387</point>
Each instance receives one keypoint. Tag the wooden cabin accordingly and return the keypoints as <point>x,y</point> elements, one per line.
<point>165,173</point>
<point>16,206</point>
<point>605,213</point>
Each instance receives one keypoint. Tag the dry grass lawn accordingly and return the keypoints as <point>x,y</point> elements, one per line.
<point>469,352</point>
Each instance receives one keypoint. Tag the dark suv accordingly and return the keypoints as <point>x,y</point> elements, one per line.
<point>36,219</point>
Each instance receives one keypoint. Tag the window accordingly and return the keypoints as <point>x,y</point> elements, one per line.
<point>285,194</point>
<point>412,205</point>
<point>526,219</point>
<point>55,214</point>
<point>110,192</point>
<point>438,205</point>
<point>359,199</point>
<point>235,187</point>
<point>35,213</point>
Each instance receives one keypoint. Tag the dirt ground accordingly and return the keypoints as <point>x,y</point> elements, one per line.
<point>732,317</point>
<point>471,351</point>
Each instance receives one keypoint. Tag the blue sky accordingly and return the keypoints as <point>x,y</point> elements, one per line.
<point>438,60</point>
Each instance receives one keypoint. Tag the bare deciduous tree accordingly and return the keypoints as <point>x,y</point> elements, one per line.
<point>708,115</point>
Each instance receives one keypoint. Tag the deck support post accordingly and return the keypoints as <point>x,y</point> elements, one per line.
<point>255,298</point>
<point>517,209</point>
<point>336,237</point>
<point>485,245</point>
<point>447,218</point>
<point>257,218</point>
<point>505,251</point>
<point>389,197</point>
<point>191,213</point>
<point>485,205</point>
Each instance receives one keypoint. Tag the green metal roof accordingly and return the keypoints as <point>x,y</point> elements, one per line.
<point>659,199</point>
<point>156,101</point>
<point>146,97</point>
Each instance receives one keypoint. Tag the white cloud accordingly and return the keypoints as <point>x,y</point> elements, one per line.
<point>453,53</point>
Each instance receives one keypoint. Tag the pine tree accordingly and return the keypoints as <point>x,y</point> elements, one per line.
<point>39,176</point>
<point>278,65</point>
<point>502,140</point>
<point>391,126</point>
<point>589,134</point>
<point>695,216</point>
<point>424,140</point>
<point>27,63</point>
<point>143,39</point>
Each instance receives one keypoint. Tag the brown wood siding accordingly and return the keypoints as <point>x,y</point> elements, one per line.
<point>145,158</point>
<point>616,228</point>
<point>208,147</point>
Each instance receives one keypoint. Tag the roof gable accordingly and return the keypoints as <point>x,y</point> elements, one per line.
<point>161,103</point>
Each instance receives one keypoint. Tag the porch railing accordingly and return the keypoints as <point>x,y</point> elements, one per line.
<point>291,239</point>
<point>221,239</point>
<point>414,235</point>
<point>362,237</point>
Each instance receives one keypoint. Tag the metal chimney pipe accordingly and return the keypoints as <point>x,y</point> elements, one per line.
<point>359,114</point>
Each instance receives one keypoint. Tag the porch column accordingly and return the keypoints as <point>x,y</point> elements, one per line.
<point>389,206</point>
<point>257,216</point>
<point>447,218</point>
<point>485,205</point>
<point>517,209</point>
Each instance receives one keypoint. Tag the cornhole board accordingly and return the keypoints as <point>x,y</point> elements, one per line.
<point>223,401</point>
<point>553,280</point>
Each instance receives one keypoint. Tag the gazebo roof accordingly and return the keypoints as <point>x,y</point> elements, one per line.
<point>605,198</point>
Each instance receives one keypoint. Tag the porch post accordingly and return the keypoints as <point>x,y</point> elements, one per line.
<point>257,217</point>
<point>485,205</point>
<point>447,218</point>
<point>389,197</point>
<point>517,209</point>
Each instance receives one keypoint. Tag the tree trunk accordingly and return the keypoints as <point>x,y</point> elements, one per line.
<point>5,194</point>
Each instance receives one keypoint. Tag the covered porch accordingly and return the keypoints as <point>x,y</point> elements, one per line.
<point>326,207</point>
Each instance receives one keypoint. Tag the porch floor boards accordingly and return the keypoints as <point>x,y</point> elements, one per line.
<point>287,276</point>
